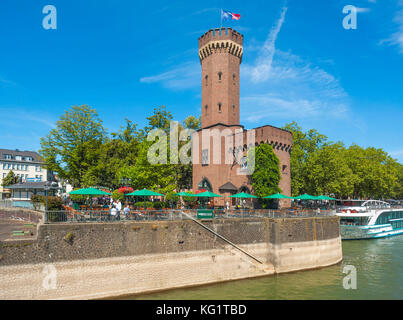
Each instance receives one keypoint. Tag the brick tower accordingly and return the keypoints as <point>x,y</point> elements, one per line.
<point>220,53</point>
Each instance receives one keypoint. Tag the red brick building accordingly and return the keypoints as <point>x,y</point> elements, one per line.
<point>220,53</point>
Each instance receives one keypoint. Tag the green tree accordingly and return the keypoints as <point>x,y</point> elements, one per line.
<point>159,120</point>
<point>304,145</point>
<point>115,153</point>
<point>376,173</point>
<point>10,179</point>
<point>327,172</point>
<point>143,174</point>
<point>191,122</point>
<point>71,149</point>
<point>266,175</point>
<point>398,189</point>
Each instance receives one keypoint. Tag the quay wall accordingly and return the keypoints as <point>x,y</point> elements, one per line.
<point>96,260</point>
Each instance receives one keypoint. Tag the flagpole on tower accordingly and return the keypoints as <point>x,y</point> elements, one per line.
<point>221,18</point>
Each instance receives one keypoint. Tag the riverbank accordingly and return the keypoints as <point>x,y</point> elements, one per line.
<point>97,260</point>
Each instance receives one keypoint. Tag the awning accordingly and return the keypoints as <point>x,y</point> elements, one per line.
<point>30,185</point>
<point>228,187</point>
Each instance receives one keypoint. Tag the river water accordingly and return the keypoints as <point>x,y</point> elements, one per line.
<point>378,263</point>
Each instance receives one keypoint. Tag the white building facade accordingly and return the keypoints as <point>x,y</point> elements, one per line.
<point>28,166</point>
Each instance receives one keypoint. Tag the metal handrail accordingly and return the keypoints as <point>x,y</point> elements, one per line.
<point>171,214</point>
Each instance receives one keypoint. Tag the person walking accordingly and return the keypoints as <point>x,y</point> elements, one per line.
<point>126,211</point>
<point>114,212</point>
<point>118,208</point>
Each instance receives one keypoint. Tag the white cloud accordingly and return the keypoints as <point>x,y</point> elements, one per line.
<point>396,153</point>
<point>396,39</point>
<point>25,116</point>
<point>282,85</point>
<point>185,76</point>
<point>277,84</point>
<point>6,82</point>
<point>362,10</point>
<point>262,69</point>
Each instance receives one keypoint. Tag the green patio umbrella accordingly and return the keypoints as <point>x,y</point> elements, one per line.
<point>90,192</point>
<point>144,193</point>
<point>277,196</point>
<point>185,194</point>
<point>207,194</point>
<point>322,197</point>
<point>306,196</point>
<point>243,195</point>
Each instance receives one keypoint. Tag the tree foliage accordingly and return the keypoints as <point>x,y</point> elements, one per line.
<point>319,166</point>
<point>10,179</point>
<point>72,148</point>
<point>266,175</point>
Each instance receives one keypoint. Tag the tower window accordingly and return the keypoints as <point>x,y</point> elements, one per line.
<point>206,107</point>
<point>219,107</point>
<point>219,76</point>
<point>206,77</point>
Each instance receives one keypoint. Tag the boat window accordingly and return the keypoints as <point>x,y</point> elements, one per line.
<point>354,221</point>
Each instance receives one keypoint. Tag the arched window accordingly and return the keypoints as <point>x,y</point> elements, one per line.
<point>219,76</point>
<point>219,107</point>
<point>205,184</point>
<point>206,108</point>
<point>244,189</point>
<point>206,77</point>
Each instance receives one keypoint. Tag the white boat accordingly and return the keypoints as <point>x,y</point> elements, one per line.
<point>368,219</point>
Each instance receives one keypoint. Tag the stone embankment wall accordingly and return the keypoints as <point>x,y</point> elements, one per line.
<point>21,213</point>
<point>95,260</point>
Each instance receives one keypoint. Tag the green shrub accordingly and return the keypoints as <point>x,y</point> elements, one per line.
<point>116,195</point>
<point>79,198</point>
<point>172,199</point>
<point>56,216</point>
<point>69,237</point>
<point>160,205</point>
<point>54,203</point>
<point>190,201</point>
<point>140,204</point>
<point>36,198</point>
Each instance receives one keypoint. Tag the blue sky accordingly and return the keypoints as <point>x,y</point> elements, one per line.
<point>124,58</point>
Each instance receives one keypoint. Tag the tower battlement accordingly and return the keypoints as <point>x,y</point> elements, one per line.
<point>221,34</point>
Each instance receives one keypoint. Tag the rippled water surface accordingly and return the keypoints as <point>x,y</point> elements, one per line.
<point>379,265</point>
